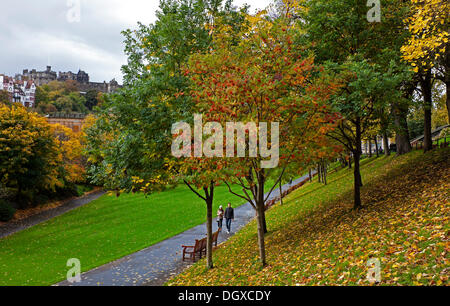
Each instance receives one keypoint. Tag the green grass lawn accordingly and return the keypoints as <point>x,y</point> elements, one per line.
<point>442,140</point>
<point>100,232</point>
<point>316,238</point>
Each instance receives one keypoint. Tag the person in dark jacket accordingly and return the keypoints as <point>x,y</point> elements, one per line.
<point>229,216</point>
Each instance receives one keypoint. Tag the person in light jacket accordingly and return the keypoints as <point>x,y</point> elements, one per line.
<point>220,214</point>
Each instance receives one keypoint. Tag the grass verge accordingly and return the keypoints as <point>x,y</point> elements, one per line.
<point>316,238</point>
<point>100,232</point>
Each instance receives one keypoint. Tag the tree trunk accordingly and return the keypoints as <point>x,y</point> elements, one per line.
<point>446,67</point>
<point>349,162</point>
<point>357,183</point>
<point>209,242</point>
<point>281,194</point>
<point>370,148</point>
<point>402,135</point>
<point>324,173</point>
<point>447,90</point>
<point>260,211</point>
<point>400,113</point>
<point>356,171</point>
<point>427,100</point>
<point>264,220</point>
<point>318,173</point>
<point>386,144</point>
<point>209,246</point>
<point>208,198</point>
<point>321,172</point>
<point>376,145</point>
<point>310,176</point>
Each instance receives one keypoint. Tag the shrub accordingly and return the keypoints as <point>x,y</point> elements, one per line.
<point>82,189</point>
<point>445,132</point>
<point>40,199</point>
<point>6,211</point>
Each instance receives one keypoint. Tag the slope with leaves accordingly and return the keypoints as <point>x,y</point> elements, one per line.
<point>316,238</point>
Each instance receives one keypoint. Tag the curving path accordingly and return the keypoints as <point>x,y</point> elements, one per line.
<point>19,225</point>
<point>154,265</point>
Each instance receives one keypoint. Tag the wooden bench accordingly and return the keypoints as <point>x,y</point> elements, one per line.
<point>193,252</point>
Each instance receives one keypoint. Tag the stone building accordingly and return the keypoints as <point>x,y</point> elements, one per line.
<point>81,77</point>
<point>38,77</point>
<point>102,87</point>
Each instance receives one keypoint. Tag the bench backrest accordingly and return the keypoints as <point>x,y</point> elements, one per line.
<point>197,245</point>
<point>200,245</point>
<point>203,246</point>
<point>215,236</point>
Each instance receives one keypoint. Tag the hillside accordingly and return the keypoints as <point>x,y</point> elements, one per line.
<point>315,238</point>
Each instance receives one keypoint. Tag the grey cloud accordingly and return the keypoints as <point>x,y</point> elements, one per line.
<point>35,32</point>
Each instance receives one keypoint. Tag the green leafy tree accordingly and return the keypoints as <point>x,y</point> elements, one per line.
<point>363,93</point>
<point>136,122</point>
<point>60,97</point>
<point>91,98</point>
<point>5,97</point>
<point>366,55</point>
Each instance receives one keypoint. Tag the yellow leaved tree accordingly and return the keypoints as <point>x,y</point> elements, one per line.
<point>70,153</point>
<point>30,160</point>
<point>427,49</point>
<point>428,25</point>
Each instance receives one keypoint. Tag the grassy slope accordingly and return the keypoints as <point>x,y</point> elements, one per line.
<point>100,232</point>
<point>316,238</point>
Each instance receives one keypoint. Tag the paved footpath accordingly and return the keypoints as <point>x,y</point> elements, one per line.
<point>154,265</point>
<point>19,225</point>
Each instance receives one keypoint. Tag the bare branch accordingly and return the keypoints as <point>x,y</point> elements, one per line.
<point>193,190</point>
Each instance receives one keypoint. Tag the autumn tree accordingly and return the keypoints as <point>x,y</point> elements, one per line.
<point>264,83</point>
<point>428,46</point>
<point>29,156</point>
<point>70,147</point>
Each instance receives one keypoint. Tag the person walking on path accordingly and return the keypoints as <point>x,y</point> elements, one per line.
<point>220,214</point>
<point>229,216</point>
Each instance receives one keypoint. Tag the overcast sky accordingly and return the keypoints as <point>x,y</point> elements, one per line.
<point>36,33</point>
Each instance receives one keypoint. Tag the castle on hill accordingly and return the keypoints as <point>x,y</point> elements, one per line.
<point>81,77</point>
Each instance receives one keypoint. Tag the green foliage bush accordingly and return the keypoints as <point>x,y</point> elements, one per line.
<point>445,132</point>
<point>6,211</point>
<point>63,97</point>
<point>82,189</point>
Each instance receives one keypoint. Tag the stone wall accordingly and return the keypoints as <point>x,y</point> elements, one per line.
<point>74,123</point>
